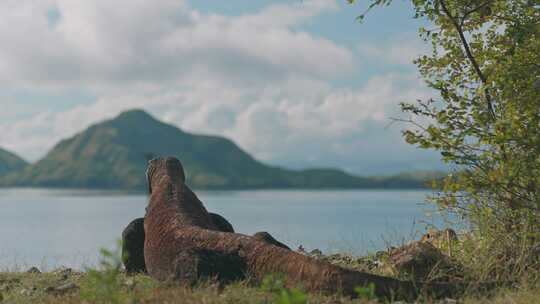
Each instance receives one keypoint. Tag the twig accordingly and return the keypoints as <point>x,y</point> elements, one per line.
<point>471,58</point>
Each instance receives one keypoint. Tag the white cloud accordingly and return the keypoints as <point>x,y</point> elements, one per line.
<point>106,44</point>
<point>253,78</point>
<point>280,123</point>
<point>285,15</point>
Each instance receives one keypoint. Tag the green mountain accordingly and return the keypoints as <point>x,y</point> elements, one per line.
<point>113,155</point>
<point>10,162</point>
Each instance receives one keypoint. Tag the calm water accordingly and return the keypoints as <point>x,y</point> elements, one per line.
<point>49,228</point>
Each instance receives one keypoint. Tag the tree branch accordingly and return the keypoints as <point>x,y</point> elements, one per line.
<point>470,56</point>
<point>479,7</point>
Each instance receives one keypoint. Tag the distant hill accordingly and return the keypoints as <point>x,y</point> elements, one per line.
<point>113,155</point>
<point>10,162</point>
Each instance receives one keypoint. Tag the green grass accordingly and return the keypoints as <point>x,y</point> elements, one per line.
<point>37,288</point>
<point>109,284</point>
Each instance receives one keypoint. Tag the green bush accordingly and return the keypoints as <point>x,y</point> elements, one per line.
<point>484,119</point>
<point>366,292</point>
<point>276,284</point>
<point>104,284</point>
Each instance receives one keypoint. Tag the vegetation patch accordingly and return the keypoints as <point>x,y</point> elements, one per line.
<point>108,283</point>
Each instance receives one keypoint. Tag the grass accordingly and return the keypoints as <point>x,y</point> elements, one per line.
<point>109,284</point>
<point>37,288</point>
<point>24,287</point>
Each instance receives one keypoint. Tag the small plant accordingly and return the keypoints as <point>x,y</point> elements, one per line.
<point>366,292</point>
<point>276,285</point>
<point>104,285</point>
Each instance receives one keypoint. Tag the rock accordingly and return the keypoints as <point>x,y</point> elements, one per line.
<point>267,238</point>
<point>1,297</point>
<point>64,288</point>
<point>133,247</point>
<point>25,292</point>
<point>417,259</point>
<point>63,271</point>
<point>33,270</point>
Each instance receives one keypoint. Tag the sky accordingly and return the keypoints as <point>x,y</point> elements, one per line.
<point>294,83</point>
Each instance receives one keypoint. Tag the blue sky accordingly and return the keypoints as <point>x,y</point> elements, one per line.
<point>295,83</point>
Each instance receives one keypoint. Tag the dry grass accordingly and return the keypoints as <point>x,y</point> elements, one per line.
<point>111,285</point>
<point>36,288</point>
<point>507,297</point>
<point>23,287</point>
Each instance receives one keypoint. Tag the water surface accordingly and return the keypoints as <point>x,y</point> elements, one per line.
<point>49,228</point>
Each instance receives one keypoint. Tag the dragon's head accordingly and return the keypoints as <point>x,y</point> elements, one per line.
<point>164,166</point>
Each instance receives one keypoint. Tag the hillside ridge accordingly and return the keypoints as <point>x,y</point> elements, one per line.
<point>113,154</point>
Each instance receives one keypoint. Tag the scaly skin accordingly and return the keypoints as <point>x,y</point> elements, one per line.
<point>133,242</point>
<point>183,244</point>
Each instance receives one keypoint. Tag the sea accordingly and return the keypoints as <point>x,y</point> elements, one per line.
<point>68,228</point>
